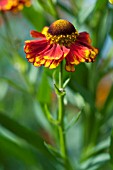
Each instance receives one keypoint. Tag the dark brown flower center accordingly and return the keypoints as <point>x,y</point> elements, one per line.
<point>61,32</point>
<point>61,27</point>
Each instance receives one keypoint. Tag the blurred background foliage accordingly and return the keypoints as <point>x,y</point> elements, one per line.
<point>24,89</point>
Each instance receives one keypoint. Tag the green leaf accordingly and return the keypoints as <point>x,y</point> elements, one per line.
<point>87,8</point>
<point>85,94</point>
<point>66,82</point>
<point>100,5</point>
<point>53,151</point>
<point>44,90</point>
<point>105,19</point>
<point>3,89</point>
<point>49,116</point>
<point>58,156</point>
<point>65,8</point>
<point>111,149</point>
<point>96,150</point>
<point>111,32</point>
<point>49,7</point>
<point>22,152</point>
<point>35,17</point>
<point>73,121</point>
<point>111,22</point>
<point>97,161</point>
<point>13,84</point>
<point>28,135</point>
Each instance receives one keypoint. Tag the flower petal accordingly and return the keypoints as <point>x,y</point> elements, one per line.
<point>84,37</point>
<point>69,67</point>
<point>44,30</point>
<point>35,45</point>
<point>54,52</point>
<point>47,63</point>
<point>72,58</point>
<point>37,64</point>
<point>54,64</point>
<point>81,53</point>
<point>31,60</point>
<point>34,50</point>
<point>36,34</point>
<point>65,51</point>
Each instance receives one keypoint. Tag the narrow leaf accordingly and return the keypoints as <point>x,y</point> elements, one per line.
<point>35,18</point>
<point>28,135</point>
<point>44,97</point>
<point>49,116</point>
<point>111,149</point>
<point>13,84</point>
<point>66,82</point>
<point>21,152</point>
<point>73,121</point>
<point>53,150</point>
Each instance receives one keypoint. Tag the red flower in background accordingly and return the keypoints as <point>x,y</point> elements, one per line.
<point>13,5</point>
<point>58,42</point>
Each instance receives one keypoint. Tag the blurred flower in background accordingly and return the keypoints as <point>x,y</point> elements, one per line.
<point>58,42</point>
<point>103,90</point>
<point>14,5</point>
<point>111,1</point>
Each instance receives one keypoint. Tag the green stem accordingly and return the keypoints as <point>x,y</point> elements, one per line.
<point>61,107</point>
<point>61,117</point>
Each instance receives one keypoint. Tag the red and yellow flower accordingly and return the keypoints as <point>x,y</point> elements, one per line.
<point>58,42</point>
<point>13,5</point>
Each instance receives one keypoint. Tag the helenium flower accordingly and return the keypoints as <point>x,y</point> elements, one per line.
<point>58,42</point>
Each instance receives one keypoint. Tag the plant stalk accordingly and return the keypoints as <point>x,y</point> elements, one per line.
<point>61,118</point>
